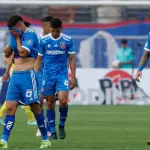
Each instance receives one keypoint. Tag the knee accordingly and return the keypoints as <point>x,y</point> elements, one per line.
<point>36,109</point>
<point>50,104</point>
<point>11,110</point>
<point>63,102</point>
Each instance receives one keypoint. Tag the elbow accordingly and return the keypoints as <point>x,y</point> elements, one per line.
<point>7,52</point>
<point>7,55</point>
<point>23,53</point>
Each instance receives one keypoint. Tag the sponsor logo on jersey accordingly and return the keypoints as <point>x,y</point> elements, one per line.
<point>55,52</point>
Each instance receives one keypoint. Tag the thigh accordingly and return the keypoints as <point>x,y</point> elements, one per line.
<point>50,102</point>
<point>29,87</point>
<point>36,108</point>
<point>48,86</point>
<point>63,96</point>
<point>11,107</point>
<point>13,92</point>
<point>62,84</point>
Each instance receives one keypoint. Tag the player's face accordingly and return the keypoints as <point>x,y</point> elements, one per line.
<point>46,27</point>
<point>56,33</point>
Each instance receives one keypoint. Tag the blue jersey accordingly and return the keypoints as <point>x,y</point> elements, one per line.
<point>29,41</point>
<point>55,53</point>
<point>147,44</point>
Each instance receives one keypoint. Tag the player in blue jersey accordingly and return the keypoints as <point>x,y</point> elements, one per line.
<point>143,62</point>
<point>23,84</point>
<point>46,30</point>
<point>7,74</point>
<point>57,50</point>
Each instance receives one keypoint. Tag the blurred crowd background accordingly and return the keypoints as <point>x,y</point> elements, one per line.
<point>97,31</point>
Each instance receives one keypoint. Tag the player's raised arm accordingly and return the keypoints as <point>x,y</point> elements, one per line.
<point>144,59</point>
<point>72,64</point>
<point>23,51</point>
<point>16,29</point>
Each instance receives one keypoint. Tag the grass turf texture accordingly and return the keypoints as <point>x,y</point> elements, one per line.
<point>92,128</point>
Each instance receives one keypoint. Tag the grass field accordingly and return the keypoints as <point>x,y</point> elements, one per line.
<point>92,128</point>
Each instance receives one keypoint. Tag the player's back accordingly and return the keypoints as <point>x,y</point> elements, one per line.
<point>56,53</point>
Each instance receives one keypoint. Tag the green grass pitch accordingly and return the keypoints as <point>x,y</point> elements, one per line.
<point>92,128</point>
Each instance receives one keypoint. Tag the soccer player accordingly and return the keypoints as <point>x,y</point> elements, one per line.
<point>46,30</point>
<point>143,62</point>
<point>23,84</point>
<point>7,74</point>
<point>56,48</point>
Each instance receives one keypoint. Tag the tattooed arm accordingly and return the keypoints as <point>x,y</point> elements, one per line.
<point>144,59</point>
<point>143,63</point>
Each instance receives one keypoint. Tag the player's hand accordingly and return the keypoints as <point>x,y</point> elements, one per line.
<point>15,34</point>
<point>72,83</point>
<point>5,77</point>
<point>138,75</point>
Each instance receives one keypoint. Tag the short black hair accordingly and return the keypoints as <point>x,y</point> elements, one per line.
<point>124,41</point>
<point>47,19</point>
<point>27,24</point>
<point>13,20</point>
<point>56,23</point>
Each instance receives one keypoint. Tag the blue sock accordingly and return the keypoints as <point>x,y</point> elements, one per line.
<point>63,115</point>
<point>41,122</point>
<point>8,125</point>
<point>47,126</point>
<point>50,113</point>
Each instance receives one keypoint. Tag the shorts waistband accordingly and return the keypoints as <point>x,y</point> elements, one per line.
<point>24,71</point>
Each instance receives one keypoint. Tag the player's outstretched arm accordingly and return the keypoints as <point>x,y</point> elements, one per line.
<point>38,63</point>
<point>143,63</point>
<point>72,64</point>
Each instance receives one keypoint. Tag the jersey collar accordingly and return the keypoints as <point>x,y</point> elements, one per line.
<point>57,38</point>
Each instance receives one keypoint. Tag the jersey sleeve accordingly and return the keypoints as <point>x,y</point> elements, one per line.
<point>41,48</point>
<point>71,49</point>
<point>11,41</point>
<point>147,44</point>
<point>29,41</point>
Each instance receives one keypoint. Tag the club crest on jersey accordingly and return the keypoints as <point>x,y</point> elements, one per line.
<point>42,89</point>
<point>63,45</point>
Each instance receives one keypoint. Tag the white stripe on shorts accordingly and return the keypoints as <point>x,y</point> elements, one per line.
<point>35,93</point>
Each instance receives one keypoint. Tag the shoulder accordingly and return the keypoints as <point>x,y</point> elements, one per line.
<point>66,37</point>
<point>45,39</point>
<point>28,30</point>
<point>30,33</point>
